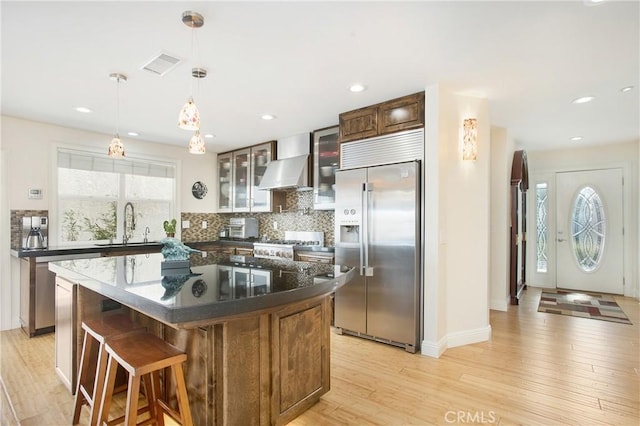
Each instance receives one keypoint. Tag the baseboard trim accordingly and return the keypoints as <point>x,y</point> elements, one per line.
<point>499,304</point>
<point>434,349</point>
<point>468,337</point>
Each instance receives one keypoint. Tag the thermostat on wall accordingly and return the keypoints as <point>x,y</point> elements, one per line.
<point>35,194</point>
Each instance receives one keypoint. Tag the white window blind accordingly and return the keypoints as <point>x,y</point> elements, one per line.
<point>80,160</point>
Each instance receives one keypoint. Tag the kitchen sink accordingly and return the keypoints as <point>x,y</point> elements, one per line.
<point>131,244</point>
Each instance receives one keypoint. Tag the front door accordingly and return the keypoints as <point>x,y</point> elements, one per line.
<point>589,231</point>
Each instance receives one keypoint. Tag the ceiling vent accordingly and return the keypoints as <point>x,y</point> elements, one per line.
<point>161,64</point>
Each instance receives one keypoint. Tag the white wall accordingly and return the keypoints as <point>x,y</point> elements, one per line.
<point>28,151</point>
<point>502,149</point>
<point>457,228</point>
<point>543,165</point>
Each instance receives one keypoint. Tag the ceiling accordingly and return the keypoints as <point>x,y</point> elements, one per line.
<point>296,60</point>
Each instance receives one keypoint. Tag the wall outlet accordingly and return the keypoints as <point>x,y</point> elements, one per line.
<point>186,224</point>
<point>275,225</point>
<point>204,224</point>
<point>203,253</point>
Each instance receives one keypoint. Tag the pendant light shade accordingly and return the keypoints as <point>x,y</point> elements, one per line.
<point>196,144</point>
<point>116,147</point>
<point>189,118</point>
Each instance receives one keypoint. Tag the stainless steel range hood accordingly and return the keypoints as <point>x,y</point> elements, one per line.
<point>291,171</point>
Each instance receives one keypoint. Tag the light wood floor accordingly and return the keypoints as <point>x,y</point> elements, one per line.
<point>538,369</point>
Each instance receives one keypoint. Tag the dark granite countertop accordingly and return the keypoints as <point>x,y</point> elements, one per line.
<point>214,287</point>
<point>114,249</point>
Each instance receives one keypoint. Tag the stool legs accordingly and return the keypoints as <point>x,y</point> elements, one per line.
<point>183,400</point>
<point>81,398</point>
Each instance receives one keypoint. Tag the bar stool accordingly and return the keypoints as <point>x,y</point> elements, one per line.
<point>145,355</point>
<point>97,332</point>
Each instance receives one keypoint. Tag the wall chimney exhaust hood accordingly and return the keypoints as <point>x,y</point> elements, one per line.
<point>291,171</point>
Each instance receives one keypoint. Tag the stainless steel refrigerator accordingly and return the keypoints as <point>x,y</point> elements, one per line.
<point>377,229</point>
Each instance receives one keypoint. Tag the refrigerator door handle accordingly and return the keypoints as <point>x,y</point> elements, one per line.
<point>367,271</point>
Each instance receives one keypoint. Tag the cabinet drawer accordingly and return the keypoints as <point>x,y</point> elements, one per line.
<point>316,258</point>
<point>244,251</point>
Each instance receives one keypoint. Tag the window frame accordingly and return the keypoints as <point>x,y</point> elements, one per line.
<point>55,213</point>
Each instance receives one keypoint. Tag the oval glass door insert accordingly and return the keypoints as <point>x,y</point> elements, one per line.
<point>588,229</point>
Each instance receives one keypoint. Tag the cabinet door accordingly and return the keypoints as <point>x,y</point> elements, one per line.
<point>261,155</point>
<point>65,338</point>
<point>326,158</point>
<point>225,176</point>
<point>401,114</point>
<point>241,180</point>
<point>358,124</point>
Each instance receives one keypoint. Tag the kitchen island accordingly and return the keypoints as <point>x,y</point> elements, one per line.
<point>256,332</point>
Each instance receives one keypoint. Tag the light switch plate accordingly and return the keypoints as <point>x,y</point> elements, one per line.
<point>204,224</point>
<point>185,224</point>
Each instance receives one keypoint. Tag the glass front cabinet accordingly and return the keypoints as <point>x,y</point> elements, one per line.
<point>243,170</point>
<point>326,160</point>
<point>224,182</point>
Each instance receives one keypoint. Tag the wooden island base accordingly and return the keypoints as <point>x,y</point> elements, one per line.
<point>263,368</point>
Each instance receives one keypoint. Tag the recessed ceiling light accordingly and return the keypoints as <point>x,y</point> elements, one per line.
<point>626,89</point>
<point>209,136</point>
<point>268,116</point>
<point>583,100</point>
<point>355,88</point>
<point>83,110</point>
<point>576,138</point>
<point>133,133</point>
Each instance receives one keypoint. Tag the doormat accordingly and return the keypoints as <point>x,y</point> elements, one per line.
<point>585,305</point>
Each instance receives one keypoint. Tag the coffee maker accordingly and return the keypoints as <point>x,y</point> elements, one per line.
<point>34,232</point>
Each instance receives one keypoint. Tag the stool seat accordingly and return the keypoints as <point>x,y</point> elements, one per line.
<point>145,355</point>
<point>94,360</point>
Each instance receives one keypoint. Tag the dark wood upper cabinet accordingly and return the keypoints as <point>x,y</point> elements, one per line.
<point>392,116</point>
<point>358,124</point>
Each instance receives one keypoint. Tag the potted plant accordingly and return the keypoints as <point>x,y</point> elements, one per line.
<point>170,227</point>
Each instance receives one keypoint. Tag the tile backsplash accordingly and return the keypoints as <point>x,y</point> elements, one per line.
<point>291,220</point>
<point>16,224</point>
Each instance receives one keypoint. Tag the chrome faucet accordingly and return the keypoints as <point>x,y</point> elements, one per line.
<point>146,234</point>
<point>125,234</point>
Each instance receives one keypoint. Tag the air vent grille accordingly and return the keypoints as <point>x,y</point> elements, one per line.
<point>161,64</point>
<point>387,149</point>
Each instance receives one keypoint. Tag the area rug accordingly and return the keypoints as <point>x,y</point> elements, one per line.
<point>585,305</point>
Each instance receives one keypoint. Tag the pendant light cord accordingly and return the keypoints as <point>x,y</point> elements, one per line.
<point>118,106</point>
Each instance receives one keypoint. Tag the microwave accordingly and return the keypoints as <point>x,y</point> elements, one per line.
<point>243,227</point>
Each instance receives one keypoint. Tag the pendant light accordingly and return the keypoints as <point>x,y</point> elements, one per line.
<point>196,144</point>
<point>189,117</point>
<point>116,147</point>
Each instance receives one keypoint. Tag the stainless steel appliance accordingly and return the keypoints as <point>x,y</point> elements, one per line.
<point>291,171</point>
<point>34,232</point>
<point>377,229</point>
<point>285,249</point>
<point>243,227</point>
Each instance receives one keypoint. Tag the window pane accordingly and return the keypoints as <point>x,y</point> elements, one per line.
<point>151,214</point>
<point>588,229</point>
<point>87,183</point>
<point>148,188</point>
<point>541,226</point>
<point>87,220</point>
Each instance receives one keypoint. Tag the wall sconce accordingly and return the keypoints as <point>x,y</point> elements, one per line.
<point>470,139</point>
